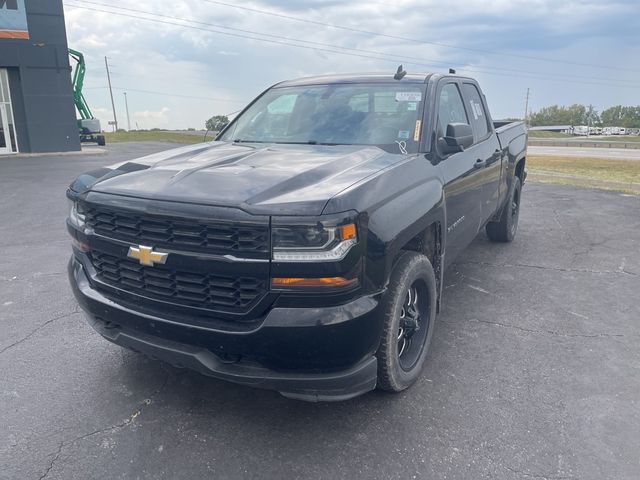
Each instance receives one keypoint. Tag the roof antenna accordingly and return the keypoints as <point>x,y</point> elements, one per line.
<point>400,73</point>
<point>452,71</point>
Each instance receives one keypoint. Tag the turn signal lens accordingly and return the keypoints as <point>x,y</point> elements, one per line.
<point>348,232</point>
<point>81,246</point>
<point>335,282</point>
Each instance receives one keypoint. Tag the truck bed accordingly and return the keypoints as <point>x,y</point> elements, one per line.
<point>512,133</point>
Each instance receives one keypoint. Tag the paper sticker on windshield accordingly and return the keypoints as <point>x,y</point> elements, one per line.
<point>408,96</point>
<point>476,108</point>
<point>403,134</point>
<point>416,132</point>
<point>412,106</point>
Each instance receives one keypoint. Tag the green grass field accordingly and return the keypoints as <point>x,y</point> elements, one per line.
<point>154,136</point>
<point>543,134</point>
<point>607,174</point>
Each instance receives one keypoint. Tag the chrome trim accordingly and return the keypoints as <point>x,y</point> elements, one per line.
<point>207,256</point>
<point>243,259</point>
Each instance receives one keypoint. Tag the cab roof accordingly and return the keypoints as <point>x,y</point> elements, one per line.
<point>356,78</point>
<point>367,78</point>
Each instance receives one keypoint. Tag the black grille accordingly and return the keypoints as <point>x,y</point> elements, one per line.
<point>188,235</point>
<point>234,294</point>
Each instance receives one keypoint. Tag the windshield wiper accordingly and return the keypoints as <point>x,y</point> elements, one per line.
<point>240,140</point>
<point>308,142</point>
<point>311,142</point>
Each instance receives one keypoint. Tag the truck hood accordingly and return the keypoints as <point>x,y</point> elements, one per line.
<point>258,178</point>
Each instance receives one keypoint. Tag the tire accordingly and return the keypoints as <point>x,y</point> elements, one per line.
<point>101,140</point>
<point>400,363</point>
<point>506,228</point>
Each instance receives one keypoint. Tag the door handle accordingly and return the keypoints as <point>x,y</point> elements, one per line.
<point>480,163</point>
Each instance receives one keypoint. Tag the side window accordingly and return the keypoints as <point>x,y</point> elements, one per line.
<point>479,120</point>
<point>450,108</point>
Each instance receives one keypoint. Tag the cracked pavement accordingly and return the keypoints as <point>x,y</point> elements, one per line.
<point>534,370</point>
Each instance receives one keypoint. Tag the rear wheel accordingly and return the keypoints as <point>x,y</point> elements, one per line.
<point>505,229</point>
<point>101,140</point>
<point>410,310</point>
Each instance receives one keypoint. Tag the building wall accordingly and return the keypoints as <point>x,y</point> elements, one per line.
<point>40,81</point>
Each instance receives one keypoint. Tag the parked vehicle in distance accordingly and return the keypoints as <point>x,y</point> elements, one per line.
<point>581,130</point>
<point>302,251</point>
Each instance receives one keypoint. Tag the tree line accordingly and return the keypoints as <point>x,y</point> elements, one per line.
<point>618,116</point>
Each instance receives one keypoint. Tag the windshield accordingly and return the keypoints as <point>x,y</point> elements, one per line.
<point>385,115</point>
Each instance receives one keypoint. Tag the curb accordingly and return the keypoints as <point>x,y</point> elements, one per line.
<point>87,151</point>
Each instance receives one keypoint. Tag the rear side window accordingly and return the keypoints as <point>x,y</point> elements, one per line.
<point>450,108</point>
<point>479,120</point>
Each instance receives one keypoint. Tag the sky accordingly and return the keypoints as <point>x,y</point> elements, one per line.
<point>182,62</point>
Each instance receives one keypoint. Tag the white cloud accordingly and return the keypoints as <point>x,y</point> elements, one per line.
<point>226,70</point>
<point>147,119</point>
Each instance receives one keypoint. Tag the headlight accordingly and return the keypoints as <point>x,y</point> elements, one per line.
<point>313,243</point>
<point>76,214</point>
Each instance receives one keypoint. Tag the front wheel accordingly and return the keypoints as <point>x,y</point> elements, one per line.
<point>410,310</point>
<point>505,229</point>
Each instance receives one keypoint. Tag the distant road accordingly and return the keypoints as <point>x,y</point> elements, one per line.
<point>614,153</point>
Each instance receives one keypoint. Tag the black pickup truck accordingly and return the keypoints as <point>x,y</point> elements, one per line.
<point>303,250</point>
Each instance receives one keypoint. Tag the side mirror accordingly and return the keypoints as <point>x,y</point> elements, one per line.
<point>459,136</point>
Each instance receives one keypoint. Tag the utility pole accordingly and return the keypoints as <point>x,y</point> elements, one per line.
<point>113,105</point>
<point>526,108</point>
<point>126,104</point>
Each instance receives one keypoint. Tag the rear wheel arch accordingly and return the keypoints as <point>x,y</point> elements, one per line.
<point>519,171</point>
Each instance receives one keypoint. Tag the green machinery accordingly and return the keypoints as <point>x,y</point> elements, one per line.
<point>88,125</point>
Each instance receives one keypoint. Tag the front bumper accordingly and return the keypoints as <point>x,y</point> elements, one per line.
<point>314,354</point>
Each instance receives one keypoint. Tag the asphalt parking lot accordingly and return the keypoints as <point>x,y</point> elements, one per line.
<point>534,372</point>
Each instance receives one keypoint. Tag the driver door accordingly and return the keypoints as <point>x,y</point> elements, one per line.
<point>463,185</point>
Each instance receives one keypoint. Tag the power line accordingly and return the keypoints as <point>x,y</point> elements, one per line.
<point>375,56</point>
<point>403,58</point>
<point>414,40</point>
<point>172,94</point>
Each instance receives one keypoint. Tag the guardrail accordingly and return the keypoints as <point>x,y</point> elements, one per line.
<point>555,142</point>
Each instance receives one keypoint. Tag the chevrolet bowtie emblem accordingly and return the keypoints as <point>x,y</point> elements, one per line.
<point>146,255</point>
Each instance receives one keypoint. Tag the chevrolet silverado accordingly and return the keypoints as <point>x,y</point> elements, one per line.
<point>304,249</point>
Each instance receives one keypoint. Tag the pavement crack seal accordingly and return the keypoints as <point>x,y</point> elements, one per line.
<point>112,428</point>
<point>53,461</point>
<point>482,290</point>
<point>541,267</point>
<point>37,329</point>
<point>537,475</point>
<point>548,332</point>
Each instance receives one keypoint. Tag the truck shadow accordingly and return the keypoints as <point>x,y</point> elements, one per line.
<point>207,401</point>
